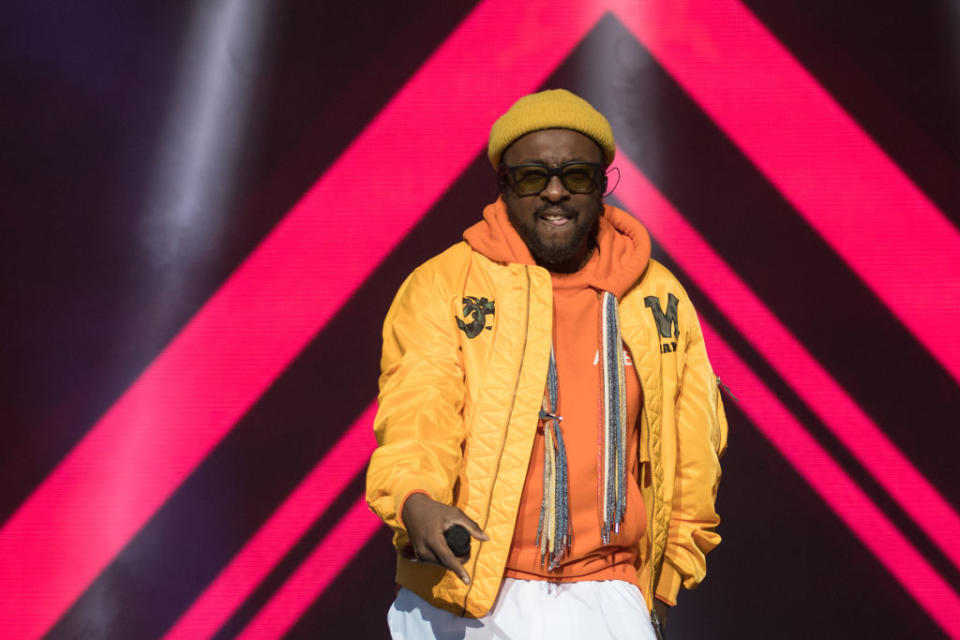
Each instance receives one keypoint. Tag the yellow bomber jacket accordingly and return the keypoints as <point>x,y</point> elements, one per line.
<point>458,414</point>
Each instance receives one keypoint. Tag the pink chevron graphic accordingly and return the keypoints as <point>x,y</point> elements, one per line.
<point>780,427</point>
<point>313,577</point>
<point>837,489</point>
<point>190,397</point>
<point>310,500</point>
<point>817,156</point>
<point>236,345</point>
<point>793,363</point>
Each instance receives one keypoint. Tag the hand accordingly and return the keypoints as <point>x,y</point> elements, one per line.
<point>426,520</point>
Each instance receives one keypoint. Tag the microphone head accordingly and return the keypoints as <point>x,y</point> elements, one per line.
<point>458,540</point>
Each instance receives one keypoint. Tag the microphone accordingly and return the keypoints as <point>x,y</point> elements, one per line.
<point>458,540</point>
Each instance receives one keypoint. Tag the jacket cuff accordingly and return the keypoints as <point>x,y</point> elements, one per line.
<point>669,584</point>
<point>403,501</point>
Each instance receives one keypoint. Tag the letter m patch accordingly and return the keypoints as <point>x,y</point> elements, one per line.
<point>666,320</point>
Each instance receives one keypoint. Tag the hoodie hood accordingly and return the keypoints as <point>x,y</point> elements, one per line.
<point>623,248</point>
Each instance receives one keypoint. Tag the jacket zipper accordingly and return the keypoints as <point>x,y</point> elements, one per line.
<point>651,526</point>
<point>503,444</point>
<point>723,386</point>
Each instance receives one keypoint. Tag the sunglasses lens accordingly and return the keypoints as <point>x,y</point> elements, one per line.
<point>528,180</point>
<point>579,178</point>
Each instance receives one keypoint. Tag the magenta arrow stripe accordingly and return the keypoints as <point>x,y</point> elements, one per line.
<point>757,323</point>
<point>817,156</point>
<point>304,506</point>
<point>812,463</point>
<point>836,488</point>
<point>229,353</point>
<point>317,572</point>
<point>793,363</point>
<point>180,407</point>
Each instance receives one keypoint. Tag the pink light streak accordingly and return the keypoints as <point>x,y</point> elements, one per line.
<point>817,156</point>
<point>799,368</point>
<point>791,360</point>
<point>310,500</point>
<point>835,487</point>
<point>773,420</point>
<point>315,575</point>
<point>286,291</point>
<point>851,505</point>
<point>189,398</point>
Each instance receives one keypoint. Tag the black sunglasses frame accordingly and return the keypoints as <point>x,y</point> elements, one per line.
<point>508,176</point>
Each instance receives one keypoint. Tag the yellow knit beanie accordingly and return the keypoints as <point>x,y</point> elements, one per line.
<point>551,109</point>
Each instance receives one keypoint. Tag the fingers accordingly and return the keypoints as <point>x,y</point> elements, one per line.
<point>437,552</point>
<point>427,521</point>
<point>472,527</point>
<point>447,559</point>
<point>422,553</point>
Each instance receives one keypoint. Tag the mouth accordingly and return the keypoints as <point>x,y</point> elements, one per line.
<point>555,218</point>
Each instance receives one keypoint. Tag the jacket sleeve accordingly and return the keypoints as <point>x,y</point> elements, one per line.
<point>419,425</point>
<point>701,441</point>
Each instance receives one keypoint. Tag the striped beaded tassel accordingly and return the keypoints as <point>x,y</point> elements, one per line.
<point>614,419</point>
<point>553,529</point>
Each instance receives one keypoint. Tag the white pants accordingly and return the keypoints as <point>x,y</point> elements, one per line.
<point>532,610</point>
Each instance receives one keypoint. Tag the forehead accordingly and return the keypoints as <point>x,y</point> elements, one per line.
<point>553,146</point>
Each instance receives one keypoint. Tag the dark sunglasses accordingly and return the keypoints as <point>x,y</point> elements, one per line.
<point>531,179</point>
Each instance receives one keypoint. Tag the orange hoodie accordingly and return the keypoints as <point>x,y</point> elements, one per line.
<point>623,250</point>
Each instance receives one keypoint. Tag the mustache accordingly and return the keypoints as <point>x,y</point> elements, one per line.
<point>567,210</point>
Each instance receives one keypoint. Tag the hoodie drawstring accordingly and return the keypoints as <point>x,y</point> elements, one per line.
<point>553,528</point>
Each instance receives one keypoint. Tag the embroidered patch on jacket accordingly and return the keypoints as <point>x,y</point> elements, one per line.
<point>475,312</point>
<point>666,320</point>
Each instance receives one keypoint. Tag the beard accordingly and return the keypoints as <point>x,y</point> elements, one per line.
<point>560,257</point>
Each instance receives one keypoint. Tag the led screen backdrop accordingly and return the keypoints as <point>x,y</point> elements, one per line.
<point>207,208</point>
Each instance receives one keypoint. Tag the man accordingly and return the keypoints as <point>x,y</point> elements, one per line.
<point>545,386</point>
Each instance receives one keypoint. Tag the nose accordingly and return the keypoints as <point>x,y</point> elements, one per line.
<point>555,191</point>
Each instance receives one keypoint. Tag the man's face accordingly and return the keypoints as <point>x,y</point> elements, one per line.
<point>557,226</point>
